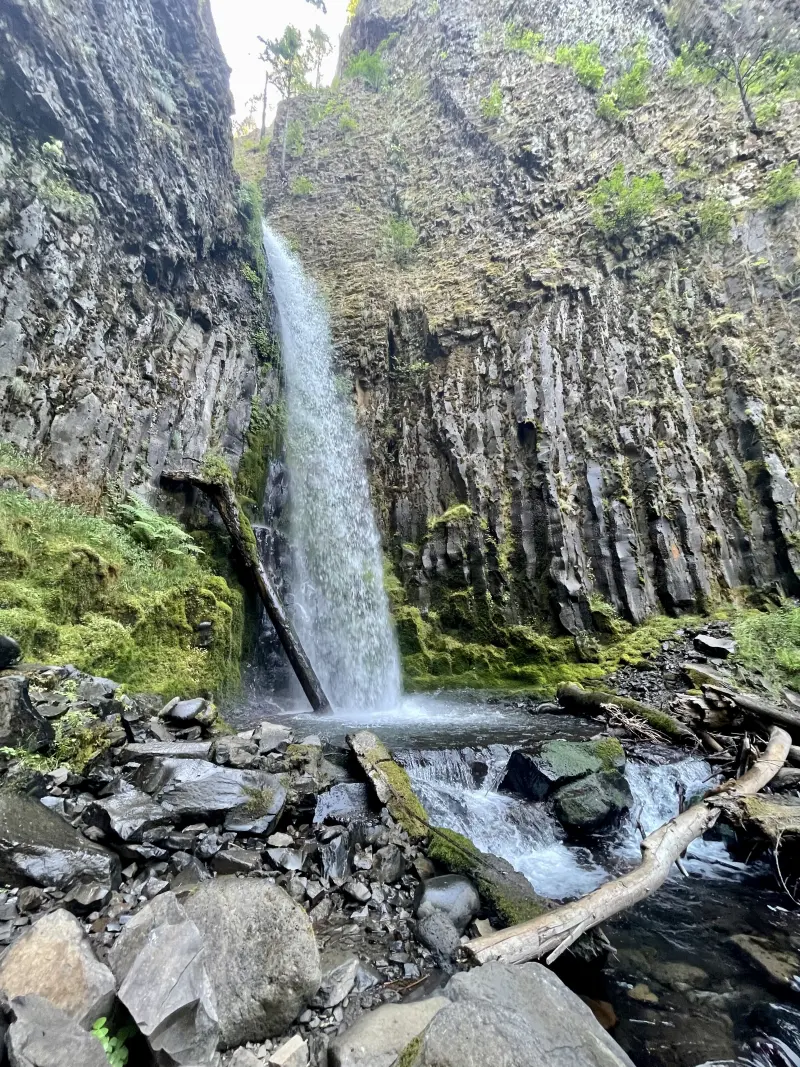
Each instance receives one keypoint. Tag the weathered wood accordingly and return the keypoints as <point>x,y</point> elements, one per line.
<point>589,702</point>
<point>221,493</point>
<point>543,936</point>
<point>762,710</point>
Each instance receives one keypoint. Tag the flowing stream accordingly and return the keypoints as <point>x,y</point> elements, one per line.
<point>337,602</point>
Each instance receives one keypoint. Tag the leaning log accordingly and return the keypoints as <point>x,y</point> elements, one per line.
<point>550,934</point>
<point>763,710</point>
<point>591,702</point>
<point>220,492</point>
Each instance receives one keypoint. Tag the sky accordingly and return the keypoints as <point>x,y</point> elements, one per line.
<point>241,22</point>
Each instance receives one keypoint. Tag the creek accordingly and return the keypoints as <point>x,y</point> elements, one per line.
<point>682,993</point>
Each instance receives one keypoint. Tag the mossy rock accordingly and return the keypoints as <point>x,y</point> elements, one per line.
<point>391,783</point>
<point>537,772</point>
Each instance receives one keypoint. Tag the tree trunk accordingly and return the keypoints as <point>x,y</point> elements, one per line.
<point>585,702</point>
<point>285,138</point>
<point>748,110</point>
<point>550,934</point>
<point>760,708</point>
<point>241,533</point>
<point>264,108</point>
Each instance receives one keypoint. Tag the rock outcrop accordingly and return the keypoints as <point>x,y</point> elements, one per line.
<point>562,419</point>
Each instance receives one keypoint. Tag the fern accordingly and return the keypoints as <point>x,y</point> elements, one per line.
<point>160,535</point>
<point>114,1047</point>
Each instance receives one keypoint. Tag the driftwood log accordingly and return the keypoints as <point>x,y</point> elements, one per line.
<point>551,934</point>
<point>591,702</point>
<point>221,494</point>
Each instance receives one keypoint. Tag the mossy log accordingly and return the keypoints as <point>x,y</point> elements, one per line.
<point>589,702</point>
<point>553,933</point>
<point>220,492</point>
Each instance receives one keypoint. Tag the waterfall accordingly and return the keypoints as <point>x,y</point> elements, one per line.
<point>337,600</point>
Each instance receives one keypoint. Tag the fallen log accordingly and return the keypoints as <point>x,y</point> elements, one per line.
<point>762,710</point>
<point>220,491</point>
<point>589,702</point>
<point>551,934</point>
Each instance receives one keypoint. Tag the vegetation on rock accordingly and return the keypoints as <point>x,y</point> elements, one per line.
<point>769,642</point>
<point>370,68</point>
<point>623,203</point>
<point>492,104</point>
<point>584,59</point>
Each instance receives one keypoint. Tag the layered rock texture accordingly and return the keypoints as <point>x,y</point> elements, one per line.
<point>125,318</point>
<point>556,413</point>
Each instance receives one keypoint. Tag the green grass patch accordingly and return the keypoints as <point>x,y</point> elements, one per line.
<point>782,187</point>
<point>117,594</point>
<point>769,642</point>
<point>492,105</point>
<point>623,204</point>
<point>584,60</point>
<point>368,67</point>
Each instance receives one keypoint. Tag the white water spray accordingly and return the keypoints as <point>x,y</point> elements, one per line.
<point>338,604</point>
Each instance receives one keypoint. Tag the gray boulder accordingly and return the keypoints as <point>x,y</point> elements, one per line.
<point>347,802</point>
<point>719,647</point>
<point>515,1016</point>
<point>252,800</point>
<point>377,1038</point>
<point>264,966</point>
<point>453,895</point>
<point>44,1036</point>
<point>127,813</point>
<point>10,652</point>
<point>21,725</point>
<point>54,960</point>
<point>592,802</point>
<point>39,847</point>
<point>536,772</point>
<point>271,736</point>
<point>159,960</point>
<point>147,750</point>
<point>438,934</point>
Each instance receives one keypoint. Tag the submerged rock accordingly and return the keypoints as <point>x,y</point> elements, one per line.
<point>55,960</point>
<point>264,967</point>
<point>21,725</point>
<point>592,802</point>
<point>44,1036</point>
<point>535,773</point>
<point>39,847</point>
<point>451,894</point>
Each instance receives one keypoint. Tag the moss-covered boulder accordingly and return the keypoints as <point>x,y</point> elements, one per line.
<point>391,783</point>
<point>503,891</point>
<point>592,802</point>
<point>539,771</point>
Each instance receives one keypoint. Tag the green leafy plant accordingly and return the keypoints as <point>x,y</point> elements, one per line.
<point>492,105</point>
<point>253,279</point>
<point>401,240</point>
<point>265,344</point>
<point>370,68</point>
<point>352,8</point>
<point>114,1047</point>
<point>522,39</point>
<point>769,642</point>
<point>164,537</point>
<point>622,204</point>
<point>215,468</point>
<point>783,187</point>
<point>631,89</point>
<point>301,186</point>
<point>251,216</point>
<point>584,59</point>
<point>715,217</point>
<point>295,138</point>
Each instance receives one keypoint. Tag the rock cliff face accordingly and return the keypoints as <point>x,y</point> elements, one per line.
<point>556,414</point>
<point>125,317</point>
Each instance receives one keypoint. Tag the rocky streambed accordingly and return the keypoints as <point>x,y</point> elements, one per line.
<point>258,897</point>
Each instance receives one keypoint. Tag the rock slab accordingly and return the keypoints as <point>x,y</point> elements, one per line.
<point>44,1036</point>
<point>377,1038</point>
<point>21,725</point>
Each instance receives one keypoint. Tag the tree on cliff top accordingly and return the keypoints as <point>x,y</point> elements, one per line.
<point>737,41</point>
<point>287,67</point>
<point>319,48</point>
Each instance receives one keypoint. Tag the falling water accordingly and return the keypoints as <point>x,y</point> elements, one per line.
<point>338,602</point>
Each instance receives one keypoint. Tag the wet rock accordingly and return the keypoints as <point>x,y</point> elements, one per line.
<point>128,813</point>
<point>377,1038</point>
<point>391,783</point>
<point>592,802</point>
<point>780,967</point>
<point>236,861</point>
<point>358,891</point>
<point>236,752</point>
<point>173,749</point>
<point>292,1053</point>
<point>252,800</point>
<point>97,692</point>
<point>243,1057</point>
<point>265,964</point>
<point>453,895</point>
<point>717,647</point>
<point>39,847</point>
<point>21,725</point>
<point>184,711</point>
<point>54,960</point>
<point>537,772</point>
<point>337,983</point>
<point>10,652</point>
<point>642,994</point>
<point>521,1015</point>
<point>390,864</point>
<point>288,859</point>
<point>159,960</point>
<point>336,856</point>
<point>44,1036</point>
<point>271,736</point>
<point>437,932</point>
<point>347,802</point>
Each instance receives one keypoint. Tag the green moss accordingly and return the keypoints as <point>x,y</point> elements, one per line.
<point>215,469</point>
<point>259,801</point>
<point>610,752</point>
<point>404,805</point>
<point>408,1057</point>
<point>262,444</point>
<point>80,589</point>
<point>584,59</point>
<point>492,105</point>
<point>458,513</point>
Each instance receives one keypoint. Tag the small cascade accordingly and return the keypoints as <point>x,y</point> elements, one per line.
<point>338,603</point>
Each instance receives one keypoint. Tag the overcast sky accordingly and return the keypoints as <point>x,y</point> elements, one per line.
<point>241,22</point>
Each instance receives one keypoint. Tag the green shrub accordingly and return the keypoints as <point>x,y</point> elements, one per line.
<point>370,68</point>
<point>295,138</point>
<point>114,1047</point>
<point>631,89</point>
<point>347,123</point>
<point>769,642</point>
<point>301,186</point>
<point>715,217</point>
<point>584,59</point>
<point>782,187</point>
<point>401,240</point>
<point>621,204</point>
<point>162,536</point>
<point>492,105</point>
<point>265,344</point>
<point>691,68</point>
<point>262,443</point>
<point>253,279</point>
<point>520,39</point>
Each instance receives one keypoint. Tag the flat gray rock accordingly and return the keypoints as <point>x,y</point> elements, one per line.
<point>719,647</point>
<point>159,960</point>
<point>173,749</point>
<point>45,1036</point>
<point>127,813</point>
<point>377,1038</point>
<point>21,725</point>
<point>264,964</point>
<point>39,847</point>
<point>270,736</point>
<point>55,960</point>
<point>347,802</point>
